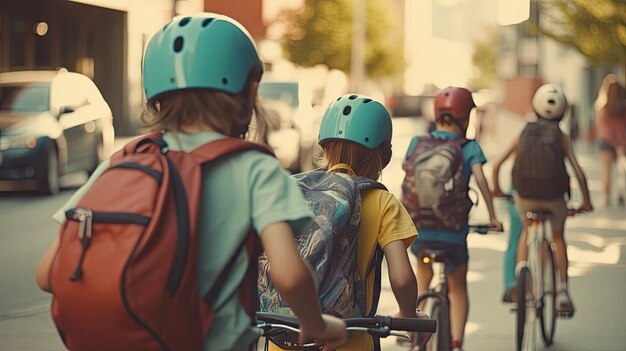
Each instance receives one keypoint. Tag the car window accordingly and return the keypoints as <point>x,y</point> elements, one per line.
<point>25,98</point>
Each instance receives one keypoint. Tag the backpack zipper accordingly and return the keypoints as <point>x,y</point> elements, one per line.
<point>84,216</point>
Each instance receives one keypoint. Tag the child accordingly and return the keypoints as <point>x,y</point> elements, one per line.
<point>435,191</point>
<point>541,181</point>
<point>355,134</point>
<point>211,95</point>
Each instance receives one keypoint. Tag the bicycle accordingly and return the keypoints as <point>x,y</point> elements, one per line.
<point>437,302</point>
<point>536,284</point>
<point>283,330</point>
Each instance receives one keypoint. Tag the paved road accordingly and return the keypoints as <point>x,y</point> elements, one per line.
<point>597,251</point>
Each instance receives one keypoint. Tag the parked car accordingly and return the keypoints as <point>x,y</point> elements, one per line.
<point>51,123</point>
<point>302,119</point>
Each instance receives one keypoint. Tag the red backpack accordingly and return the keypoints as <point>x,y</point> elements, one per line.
<point>125,274</point>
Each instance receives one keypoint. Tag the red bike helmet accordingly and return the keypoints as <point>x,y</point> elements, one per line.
<point>455,103</point>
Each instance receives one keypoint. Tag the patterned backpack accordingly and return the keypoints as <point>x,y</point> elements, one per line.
<point>329,245</point>
<point>434,190</point>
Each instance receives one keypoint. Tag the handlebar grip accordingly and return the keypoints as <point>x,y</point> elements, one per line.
<point>269,317</point>
<point>414,324</point>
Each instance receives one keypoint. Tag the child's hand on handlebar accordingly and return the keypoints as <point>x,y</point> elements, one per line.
<point>497,192</point>
<point>496,225</point>
<point>423,336</point>
<point>332,337</point>
<point>585,207</point>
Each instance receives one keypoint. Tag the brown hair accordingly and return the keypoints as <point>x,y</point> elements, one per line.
<point>218,110</point>
<point>364,162</point>
<point>611,96</point>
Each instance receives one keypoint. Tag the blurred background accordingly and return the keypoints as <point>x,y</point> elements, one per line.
<point>397,51</point>
<point>70,94</point>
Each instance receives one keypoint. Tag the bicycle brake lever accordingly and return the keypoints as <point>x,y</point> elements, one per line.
<point>381,332</point>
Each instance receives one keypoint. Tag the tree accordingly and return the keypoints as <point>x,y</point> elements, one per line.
<point>597,29</point>
<point>484,59</point>
<point>321,33</point>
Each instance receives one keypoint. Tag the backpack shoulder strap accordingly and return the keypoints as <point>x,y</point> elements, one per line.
<point>366,183</point>
<point>375,265</point>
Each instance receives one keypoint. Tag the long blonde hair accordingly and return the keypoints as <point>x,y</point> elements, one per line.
<point>191,107</point>
<point>611,96</point>
<point>364,162</point>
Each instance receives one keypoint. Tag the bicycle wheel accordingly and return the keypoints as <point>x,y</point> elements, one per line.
<point>547,310</point>
<point>442,339</point>
<point>525,339</point>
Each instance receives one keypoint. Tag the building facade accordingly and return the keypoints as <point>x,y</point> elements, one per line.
<point>103,39</point>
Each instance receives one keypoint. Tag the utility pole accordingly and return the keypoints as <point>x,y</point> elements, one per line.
<point>357,62</point>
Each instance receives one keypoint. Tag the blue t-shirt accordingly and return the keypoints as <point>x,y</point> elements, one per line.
<point>472,155</point>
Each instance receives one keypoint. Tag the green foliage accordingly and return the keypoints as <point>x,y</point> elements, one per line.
<point>595,28</point>
<point>484,59</point>
<point>321,33</point>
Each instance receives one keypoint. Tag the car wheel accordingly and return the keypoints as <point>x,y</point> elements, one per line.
<point>49,177</point>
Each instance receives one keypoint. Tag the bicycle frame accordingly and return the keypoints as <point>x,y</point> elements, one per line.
<point>539,233</point>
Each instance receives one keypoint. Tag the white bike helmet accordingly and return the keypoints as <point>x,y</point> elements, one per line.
<point>549,102</point>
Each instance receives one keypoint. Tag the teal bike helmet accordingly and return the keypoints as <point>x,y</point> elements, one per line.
<point>358,119</point>
<point>206,50</point>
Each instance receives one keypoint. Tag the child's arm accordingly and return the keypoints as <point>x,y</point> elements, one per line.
<point>497,191</point>
<point>42,272</point>
<point>568,149</point>
<point>477,170</point>
<point>401,277</point>
<point>292,278</point>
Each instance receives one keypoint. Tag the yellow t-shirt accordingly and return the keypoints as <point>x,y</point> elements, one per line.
<point>383,220</point>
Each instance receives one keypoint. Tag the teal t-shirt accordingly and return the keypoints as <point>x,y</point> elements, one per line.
<point>472,155</point>
<point>243,191</point>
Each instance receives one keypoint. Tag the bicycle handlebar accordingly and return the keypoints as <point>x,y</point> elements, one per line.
<point>392,323</point>
<point>379,326</point>
<point>482,229</point>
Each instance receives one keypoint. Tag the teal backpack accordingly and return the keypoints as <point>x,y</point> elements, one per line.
<point>329,245</point>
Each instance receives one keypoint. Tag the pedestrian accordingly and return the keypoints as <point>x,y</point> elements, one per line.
<point>436,193</point>
<point>355,134</point>
<point>610,111</point>
<point>200,75</point>
<point>541,181</point>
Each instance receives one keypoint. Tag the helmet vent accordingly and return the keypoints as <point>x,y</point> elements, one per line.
<point>341,132</point>
<point>165,27</point>
<point>178,44</point>
<point>183,22</point>
<point>206,22</point>
<point>551,102</point>
<point>224,80</point>
<point>339,98</point>
<point>367,140</point>
<point>347,110</point>
<point>352,97</point>
<point>367,101</point>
